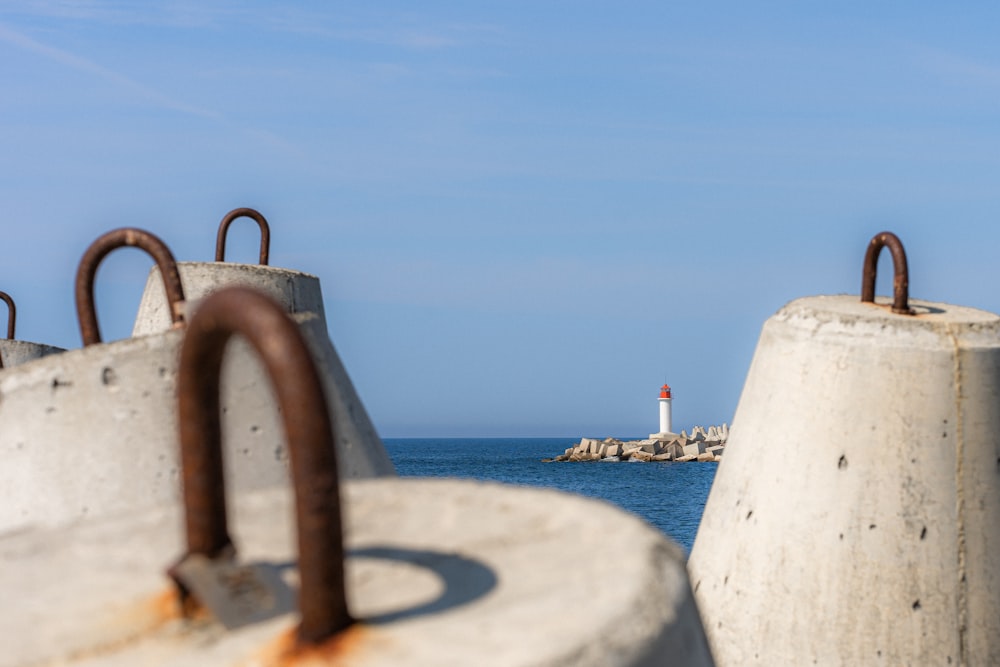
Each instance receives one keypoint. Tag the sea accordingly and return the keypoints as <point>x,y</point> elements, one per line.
<point>670,496</point>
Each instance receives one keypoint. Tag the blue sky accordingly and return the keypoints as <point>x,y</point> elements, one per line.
<point>525,215</point>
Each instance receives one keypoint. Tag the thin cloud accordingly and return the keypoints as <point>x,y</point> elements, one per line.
<point>959,69</point>
<point>82,64</point>
<point>177,14</point>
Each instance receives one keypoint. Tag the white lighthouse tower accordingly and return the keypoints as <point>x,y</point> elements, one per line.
<point>665,409</point>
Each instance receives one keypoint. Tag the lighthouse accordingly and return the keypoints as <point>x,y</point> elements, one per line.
<point>665,409</point>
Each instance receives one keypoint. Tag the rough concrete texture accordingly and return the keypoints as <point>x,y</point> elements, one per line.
<point>694,449</point>
<point>439,572</point>
<point>855,517</point>
<point>93,431</point>
<point>298,292</point>
<point>16,352</point>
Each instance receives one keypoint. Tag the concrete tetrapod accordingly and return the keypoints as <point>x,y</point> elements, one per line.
<point>298,293</point>
<point>92,431</point>
<point>855,518</point>
<point>439,572</point>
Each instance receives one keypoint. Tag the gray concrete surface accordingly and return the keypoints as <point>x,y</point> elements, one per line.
<point>440,572</point>
<point>93,431</point>
<point>855,517</point>
<point>16,352</point>
<point>299,292</point>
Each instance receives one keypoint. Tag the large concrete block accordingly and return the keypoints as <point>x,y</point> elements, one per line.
<point>673,450</point>
<point>439,572</point>
<point>298,292</point>
<point>696,448</point>
<point>861,476</point>
<point>91,431</point>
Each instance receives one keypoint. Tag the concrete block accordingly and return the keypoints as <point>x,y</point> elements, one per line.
<point>694,449</point>
<point>686,458</point>
<point>715,451</point>
<point>706,457</point>
<point>613,450</point>
<point>444,572</point>
<point>642,455</point>
<point>673,450</point>
<point>298,292</point>
<point>662,457</point>
<point>96,428</point>
<point>841,401</point>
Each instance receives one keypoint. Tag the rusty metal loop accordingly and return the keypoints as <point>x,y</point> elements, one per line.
<point>98,250</point>
<point>11,315</point>
<point>300,398</point>
<point>265,233</point>
<point>901,278</point>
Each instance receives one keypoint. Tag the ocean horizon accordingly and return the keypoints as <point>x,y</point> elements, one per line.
<point>669,496</point>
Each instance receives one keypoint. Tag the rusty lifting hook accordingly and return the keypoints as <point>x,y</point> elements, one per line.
<point>98,250</point>
<point>11,314</point>
<point>11,317</point>
<point>265,233</point>
<point>901,277</point>
<point>300,397</point>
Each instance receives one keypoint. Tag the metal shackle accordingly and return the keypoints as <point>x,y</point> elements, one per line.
<point>901,277</point>
<point>98,250</point>
<point>265,233</point>
<point>308,429</point>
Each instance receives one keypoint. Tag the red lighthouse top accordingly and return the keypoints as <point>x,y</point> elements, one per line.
<point>665,391</point>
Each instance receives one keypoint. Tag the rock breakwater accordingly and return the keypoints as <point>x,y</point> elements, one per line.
<point>702,445</point>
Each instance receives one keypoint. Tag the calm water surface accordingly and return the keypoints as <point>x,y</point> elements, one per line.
<point>671,496</point>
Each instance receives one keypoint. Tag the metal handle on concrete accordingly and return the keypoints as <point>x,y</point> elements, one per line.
<point>296,382</point>
<point>11,314</point>
<point>98,250</point>
<point>265,233</point>
<point>901,278</point>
